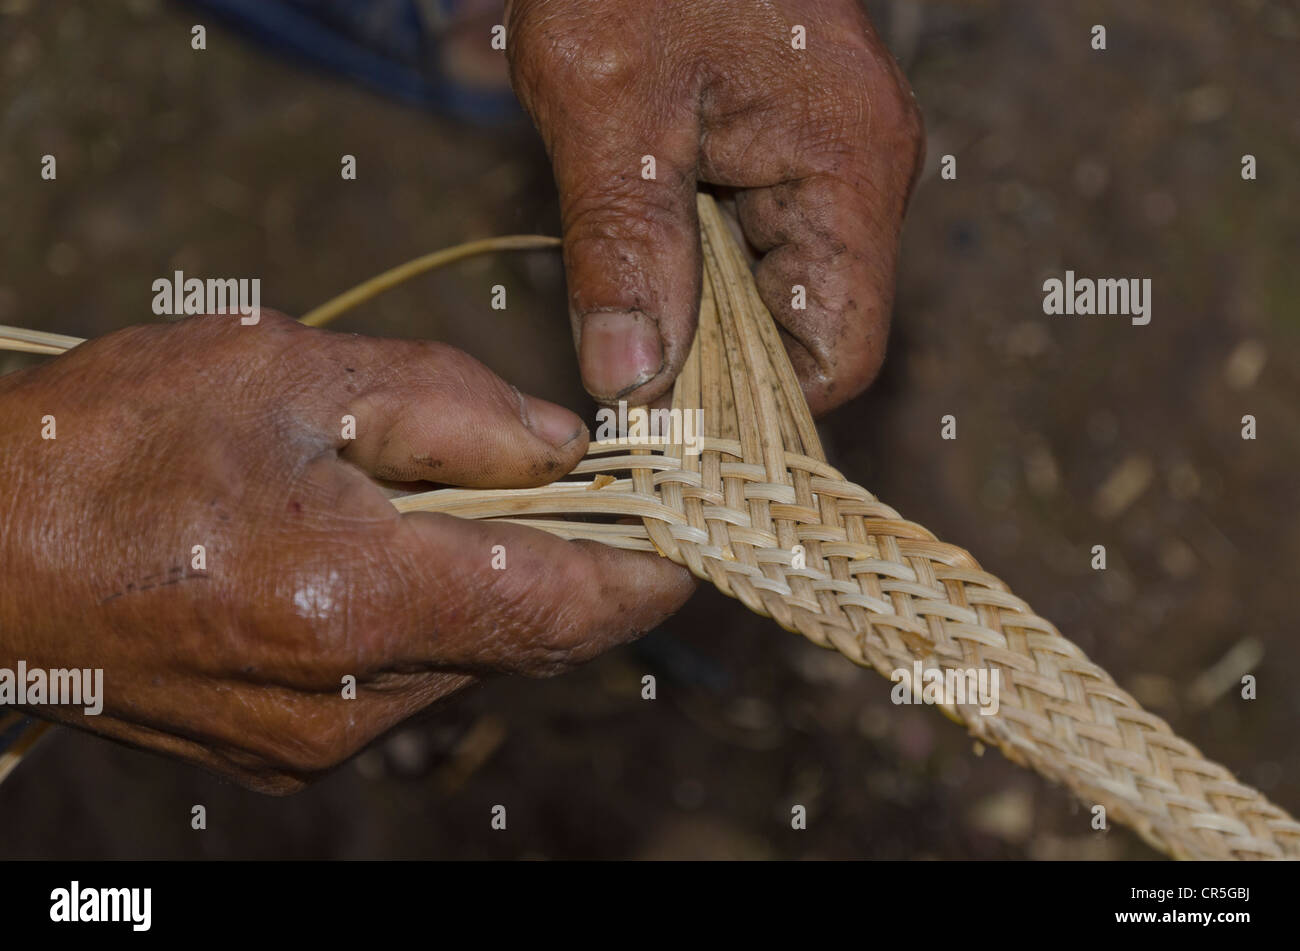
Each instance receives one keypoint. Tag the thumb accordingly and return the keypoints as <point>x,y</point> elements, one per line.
<point>435,413</point>
<point>632,256</point>
<point>624,154</point>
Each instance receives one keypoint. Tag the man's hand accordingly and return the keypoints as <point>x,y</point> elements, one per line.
<point>231,437</point>
<point>823,143</point>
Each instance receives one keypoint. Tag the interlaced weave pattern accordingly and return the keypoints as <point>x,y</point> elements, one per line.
<point>881,590</point>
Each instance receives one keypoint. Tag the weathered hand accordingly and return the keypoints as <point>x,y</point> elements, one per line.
<point>824,144</point>
<point>211,433</point>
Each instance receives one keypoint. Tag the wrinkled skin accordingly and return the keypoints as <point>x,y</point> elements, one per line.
<point>211,433</point>
<point>823,145</point>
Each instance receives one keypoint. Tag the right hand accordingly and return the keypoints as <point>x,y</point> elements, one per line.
<point>822,146</point>
<point>211,433</point>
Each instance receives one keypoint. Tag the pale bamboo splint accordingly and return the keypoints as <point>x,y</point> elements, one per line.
<point>878,589</point>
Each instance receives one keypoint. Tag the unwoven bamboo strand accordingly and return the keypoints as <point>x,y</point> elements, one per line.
<point>880,590</point>
<point>11,757</point>
<point>35,341</point>
<point>404,272</point>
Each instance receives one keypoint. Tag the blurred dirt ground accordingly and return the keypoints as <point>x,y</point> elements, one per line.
<point>1071,432</point>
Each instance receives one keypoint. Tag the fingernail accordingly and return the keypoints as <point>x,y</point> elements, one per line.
<point>620,350</point>
<point>557,425</point>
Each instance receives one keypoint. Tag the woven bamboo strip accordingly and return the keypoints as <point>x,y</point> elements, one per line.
<point>880,590</point>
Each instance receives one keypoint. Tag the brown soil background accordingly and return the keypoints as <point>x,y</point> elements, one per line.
<point>1122,163</point>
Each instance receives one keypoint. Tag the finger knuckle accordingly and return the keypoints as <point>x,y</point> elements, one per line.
<point>461,380</point>
<point>277,321</point>
<point>321,619</point>
<point>447,367</point>
<point>624,211</point>
<point>223,337</point>
<point>611,65</point>
<point>552,621</point>
<point>475,384</point>
<point>580,62</point>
